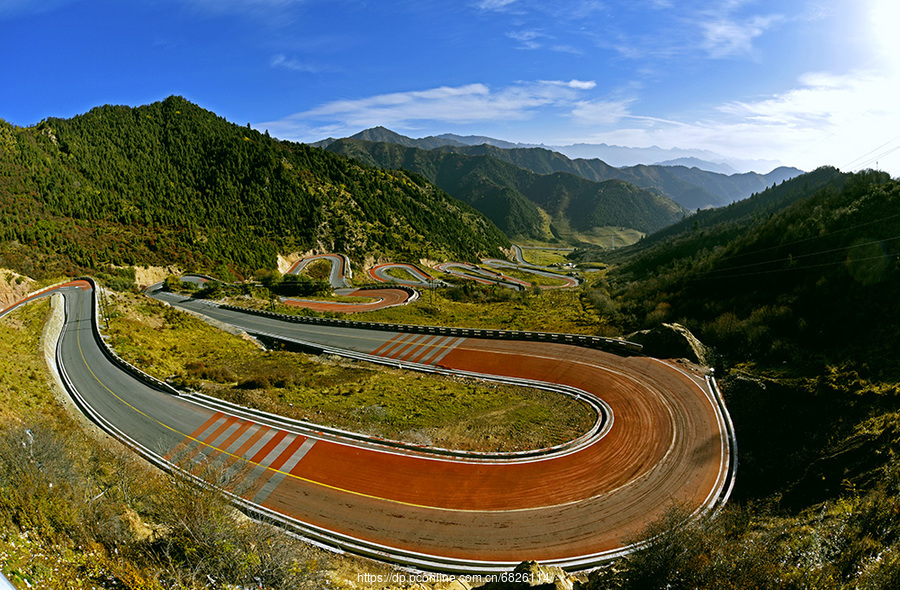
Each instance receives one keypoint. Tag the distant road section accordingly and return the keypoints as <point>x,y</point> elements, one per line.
<point>340,268</point>
<point>386,297</point>
<point>495,276</point>
<point>339,279</point>
<point>481,275</point>
<point>409,275</point>
<point>565,282</point>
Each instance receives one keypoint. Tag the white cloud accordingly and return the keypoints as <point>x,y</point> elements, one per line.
<point>495,4</point>
<point>728,37</point>
<point>444,105</point>
<point>528,39</point>
<point>600,112</point>
<point>581,84</point>
<point>532,40</point>
<point>566,49</point>
<point>282,61</point>
<point>278,13</point>
<point>848,121</point>
<point>244,5</point>
<point>9,8</point>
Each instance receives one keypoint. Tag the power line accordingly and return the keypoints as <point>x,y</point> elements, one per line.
<point>795,269</point>
<point>809,239</point>
<point>852,162</point>
<point>878,157</point>
<point>801,256</point>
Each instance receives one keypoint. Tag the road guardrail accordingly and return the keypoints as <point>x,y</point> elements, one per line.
<point>624,347</point>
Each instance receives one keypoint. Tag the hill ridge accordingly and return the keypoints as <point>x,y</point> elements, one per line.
<point>514,197</point>
<point>170,182</point>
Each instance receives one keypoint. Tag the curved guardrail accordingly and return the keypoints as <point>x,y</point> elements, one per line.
<point>331,539</point>
<point>602,423</point>
<point>608,344</point>
<point>732,441</point>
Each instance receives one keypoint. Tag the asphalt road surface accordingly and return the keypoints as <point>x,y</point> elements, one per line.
<point>667,444</point>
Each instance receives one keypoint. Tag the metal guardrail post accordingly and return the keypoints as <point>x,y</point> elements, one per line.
<point>609,344</point>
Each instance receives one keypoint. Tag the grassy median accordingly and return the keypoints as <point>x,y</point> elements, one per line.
<point>328,390</point>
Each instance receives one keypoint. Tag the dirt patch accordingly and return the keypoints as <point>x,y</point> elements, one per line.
<point>13,287</point>
<point>148,275</point>
<point>286,261</point>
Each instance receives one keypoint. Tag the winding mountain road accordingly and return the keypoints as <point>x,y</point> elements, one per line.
<point>414,276</point>
<point>665,440</point>
<point>339,278</point>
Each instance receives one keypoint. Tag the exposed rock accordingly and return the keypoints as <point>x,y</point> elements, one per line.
<point>148,275</point>
<point>671,341</point>
<point>286,261</point>
<point>13,287</point>
<point>530,575</point>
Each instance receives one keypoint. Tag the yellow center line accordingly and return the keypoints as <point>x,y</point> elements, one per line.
<point>248,461</point>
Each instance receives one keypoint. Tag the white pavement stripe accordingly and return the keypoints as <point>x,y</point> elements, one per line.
<point>277,478</point>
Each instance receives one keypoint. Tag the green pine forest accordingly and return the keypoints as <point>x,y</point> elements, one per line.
<point>171,183</point>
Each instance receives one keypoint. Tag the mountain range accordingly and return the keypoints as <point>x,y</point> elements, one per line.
<point>522,188</point>
<point>693,187</point>
<point>521,202</point>
<point>614,155</point>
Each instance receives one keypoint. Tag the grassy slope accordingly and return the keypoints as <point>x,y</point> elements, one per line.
<point>350,395</point>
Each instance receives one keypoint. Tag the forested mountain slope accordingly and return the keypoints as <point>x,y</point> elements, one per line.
<point>799,302</point>
<point>509,194</point>
<point>689,186</point>
<point>737,216</point>
<point>173,183</point>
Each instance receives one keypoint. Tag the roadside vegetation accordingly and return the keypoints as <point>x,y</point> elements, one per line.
<point>357,396</point>
<point>795,291</point>
<point>78,512</point>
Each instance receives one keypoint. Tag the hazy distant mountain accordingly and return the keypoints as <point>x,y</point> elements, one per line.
<point>382,134</point>
<point>692,188</point>
<point>453,139</point>
<point>720,167</point>
<point>620,156</point>
<point>615,155</point>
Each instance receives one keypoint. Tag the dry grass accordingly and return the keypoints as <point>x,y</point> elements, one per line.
<point>331,391</point>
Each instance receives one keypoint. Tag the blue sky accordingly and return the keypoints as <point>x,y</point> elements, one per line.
<point>804,82</point>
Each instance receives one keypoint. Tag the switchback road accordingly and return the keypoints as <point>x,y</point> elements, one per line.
<point>667,442</point>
